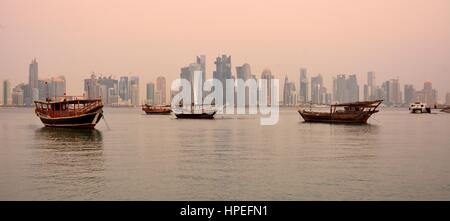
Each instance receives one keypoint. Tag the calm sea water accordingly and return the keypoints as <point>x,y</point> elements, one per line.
<point>398,156</point>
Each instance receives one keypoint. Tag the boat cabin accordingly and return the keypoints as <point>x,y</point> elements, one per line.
<point>67,107</point>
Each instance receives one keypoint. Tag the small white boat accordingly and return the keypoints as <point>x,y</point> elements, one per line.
<point>419,107</point>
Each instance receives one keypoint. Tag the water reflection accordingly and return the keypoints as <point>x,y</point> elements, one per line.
<point>67,135</point>
<point>68,163</point>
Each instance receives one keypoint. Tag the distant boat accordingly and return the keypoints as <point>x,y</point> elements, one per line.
<point>156,109</point>
<point>83,113</point>
<point>201,113</point>
<point>419,107</point>
<point>355,113</point>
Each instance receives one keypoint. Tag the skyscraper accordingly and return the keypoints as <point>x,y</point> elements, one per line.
<point>33,74</point>
<point>187,73</point>
<point>92,89</point>
<point>395,92</point>
<point>409,93</point>
<point>289,93</point>
<point>161,90</point>
<point>134,91</point>
<point>243,72</point>
<point>223,72</point>
<point>201,61</point>
<point>31,92</point>
<point>57,86</point>
<point>392,92</point>
<point>150,93</point>
<point>17,94</point>
<point>267,75</point>
<point>6,92</point>
<point>340,88</point>
<point>428,95</point>
<point>345,89</point>
<point>110,86</point>
<point>124,88</point>
<point>370,87</point>
<point>303,86</point>
<point>316,85</point>
<point>352,89</point>
<point>134,94</point>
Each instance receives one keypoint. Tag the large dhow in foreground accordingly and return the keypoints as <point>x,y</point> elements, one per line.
<point>70,112</point>
<point>354,113</point>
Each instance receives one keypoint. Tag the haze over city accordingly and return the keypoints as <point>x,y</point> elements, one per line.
<point>404,39</point>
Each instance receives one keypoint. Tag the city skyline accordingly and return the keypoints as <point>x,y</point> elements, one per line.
<point>127,91</point>
<point>153,38</point>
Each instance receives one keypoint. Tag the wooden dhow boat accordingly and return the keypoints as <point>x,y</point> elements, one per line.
<point>156,109</point>
<point>79,113</point>
<point>354,113</point>
<point>193,113</point>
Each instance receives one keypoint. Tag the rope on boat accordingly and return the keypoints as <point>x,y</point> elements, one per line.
<point>106,123</point>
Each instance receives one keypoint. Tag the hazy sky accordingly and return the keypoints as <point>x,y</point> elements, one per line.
<point>396,38</point>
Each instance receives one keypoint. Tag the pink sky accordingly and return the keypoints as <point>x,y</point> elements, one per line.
<point>404,38</point>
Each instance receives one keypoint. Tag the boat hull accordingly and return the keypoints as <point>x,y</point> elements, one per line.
<point>420,110</point>
<point>446,110</point>
<point>152,112</point>
<point>343,118</point>
<point>196,116</point>
<point>88,120</point>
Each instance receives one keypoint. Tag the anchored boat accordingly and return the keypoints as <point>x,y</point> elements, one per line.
<point>81,113</point>
<point>156,109</point>
<point>356,113</point>
<point>199,113</point>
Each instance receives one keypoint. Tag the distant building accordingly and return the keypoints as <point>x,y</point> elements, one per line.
<point>340,89</point>
<point>345,89</point>
<point>428,95</point>
<point>201,61</point>
<point>352,89</point>
<point>18,94</point>
<point>187,73</point>
<point>223,72</point>
<point>303,87</point>
<point>110,89</point>
<point>124,89</point>
<point>316,89</point>
<point>134,91</point>
<point>93,90</point>
<point>33,74</point>
<point>243,72</point>
<point>6,92</point>
<point>267,75</point>
<point>370,88</point>
<point>30,92</point>
<point>50,88</point>
<point>392,92</point>
<point>409,94</point>
<point>160,90</point>
<point>134,88</point>
<point>150,93</point>
<point>289,93</point>
<point>43,89</point>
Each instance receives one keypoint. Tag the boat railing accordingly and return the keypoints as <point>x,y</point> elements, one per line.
<point>66,109</point>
